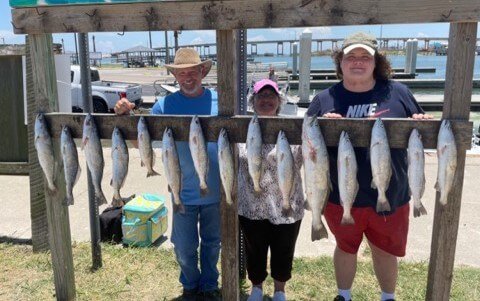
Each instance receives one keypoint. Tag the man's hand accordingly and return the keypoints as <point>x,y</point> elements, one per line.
<point>123,107</point>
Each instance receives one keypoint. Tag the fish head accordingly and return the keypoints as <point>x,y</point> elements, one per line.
<point>168,132</point>
<point>254,119</point>
<point>379,123</point>
<point>66,131</point>
<point>224,133</point>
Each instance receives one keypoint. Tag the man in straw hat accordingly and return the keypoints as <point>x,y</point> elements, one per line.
<point>366,91</point>
<point>200,221</point>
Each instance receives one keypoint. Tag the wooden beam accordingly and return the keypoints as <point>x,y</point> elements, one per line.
<point>238,14</point>
<point>14,168</point>
<point>458,92</point>
<point>45,91</point>
<point>227,106</point>
<point>398,130</point>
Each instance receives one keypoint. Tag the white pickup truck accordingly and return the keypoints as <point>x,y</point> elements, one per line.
<point>105,94</point>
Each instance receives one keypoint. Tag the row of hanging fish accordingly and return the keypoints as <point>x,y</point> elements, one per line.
<point>315,160</point>
<point>381,168</point>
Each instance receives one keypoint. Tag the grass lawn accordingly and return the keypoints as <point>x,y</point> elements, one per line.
<point>152,274</point>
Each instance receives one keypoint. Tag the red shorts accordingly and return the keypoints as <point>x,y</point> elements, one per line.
<point>388,232</point>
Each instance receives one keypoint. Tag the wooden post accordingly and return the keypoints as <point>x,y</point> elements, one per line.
<point>458,94</point>
<point>46,98</point>
<point>227,104</point>
<point>38,208</point>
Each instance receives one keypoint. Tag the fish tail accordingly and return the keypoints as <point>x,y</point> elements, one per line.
<point>100,198</point>
<point>68,200</point>
<point>151,173</point>
<point>320,233</point>
<point>418,211</point>
<point>443,198</point>
<point>287,211</point>
<point>347,220</point>
<point>257,188</point>
<point>382,204</point>
<point>117,200</point>
<point>178,208</point>
<point>204,190</point>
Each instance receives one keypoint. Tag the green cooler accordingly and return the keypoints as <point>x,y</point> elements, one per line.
<point>145,219</point>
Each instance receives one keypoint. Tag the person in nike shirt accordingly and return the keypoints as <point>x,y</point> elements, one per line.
<point>366,91</point>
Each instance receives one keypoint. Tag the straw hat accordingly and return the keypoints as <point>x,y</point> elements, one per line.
<point>188,57</point>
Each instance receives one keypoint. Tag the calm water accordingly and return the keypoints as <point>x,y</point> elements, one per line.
<point>397,61</point>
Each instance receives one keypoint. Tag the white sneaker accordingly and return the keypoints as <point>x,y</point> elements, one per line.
<point>256,294</point>
<point>279,296</point>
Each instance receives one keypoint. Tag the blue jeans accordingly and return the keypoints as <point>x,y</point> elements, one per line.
<point>185,238</point>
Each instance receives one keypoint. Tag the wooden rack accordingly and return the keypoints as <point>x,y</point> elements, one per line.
<point>226,17</point>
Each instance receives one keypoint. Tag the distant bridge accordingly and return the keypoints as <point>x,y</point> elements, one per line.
<point>205,50</point>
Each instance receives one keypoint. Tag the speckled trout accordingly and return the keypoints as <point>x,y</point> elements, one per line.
<point>226,165</point>
<point>119,166</point>
<point>347,176</point>
<point>94,156</point>
<point>416,172</point>
<point>71,167</point>
<point>447,161</point>
<point>44,147</point>
<point>198,149</point>
<point>254,153</point>
<point>317,173</point>
<point>147,155</point>
<point>171,167</point>
<point>285,171</point>
<point>381,163</point>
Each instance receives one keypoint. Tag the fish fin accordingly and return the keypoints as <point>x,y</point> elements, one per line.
<point>347,220</point>
<point>169,189</point>
<point>111,182</point>
<point>152,173</point>
<point>68,200</point>
<point>288,212</point>
<point>373,185</point>
<point>101,198</point>
<point>178,208</point>
<point>383,205</point>
<point>443,198</point>
<point>419,211</point>
<point>117,201</point>
<point>84,143</point>
<point>313,155</point>
<point>141,163</point>
<point>204,191</point>
<point>318,234</point>
<point>437,186</point>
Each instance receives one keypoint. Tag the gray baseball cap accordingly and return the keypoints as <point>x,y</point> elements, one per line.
<point>360,40</point>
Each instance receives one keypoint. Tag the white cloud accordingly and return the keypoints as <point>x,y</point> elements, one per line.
<point>257,38</point>
<point>106,46</point>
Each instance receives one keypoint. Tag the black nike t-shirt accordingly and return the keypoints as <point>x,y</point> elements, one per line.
<point>388,99</point>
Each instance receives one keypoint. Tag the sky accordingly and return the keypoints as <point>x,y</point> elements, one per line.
<point>110,42</point>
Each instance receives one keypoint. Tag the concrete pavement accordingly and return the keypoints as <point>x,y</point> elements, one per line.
<point>15,213</point>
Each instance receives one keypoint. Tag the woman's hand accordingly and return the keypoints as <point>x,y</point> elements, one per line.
<point>123,107</point>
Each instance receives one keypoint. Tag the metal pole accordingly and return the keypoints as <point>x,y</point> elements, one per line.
<point>167,53</point>
<point>242,72</point>
<point>87,104</point>
<point>151,53</point>
<point>94,49</point>
<point>76,48</point>
<point>175,35</point>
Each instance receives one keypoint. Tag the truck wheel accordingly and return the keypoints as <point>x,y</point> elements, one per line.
<point>99,106</point>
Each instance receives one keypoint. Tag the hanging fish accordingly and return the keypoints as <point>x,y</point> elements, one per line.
<point>44,147</point>
<point>447,161</point>
<point>171,167</point>
<point>198,149</point>
<point>381,163</point>
<point>147,155</point>
<point>226,165</point>
<point>285,171</point>
<point>416,172</point>
<point>94,156</point>
<point>317,173</point>
<point>254,153</point>
<point>119,166</point>
<point>347,177</point>
<point>71,166</point>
